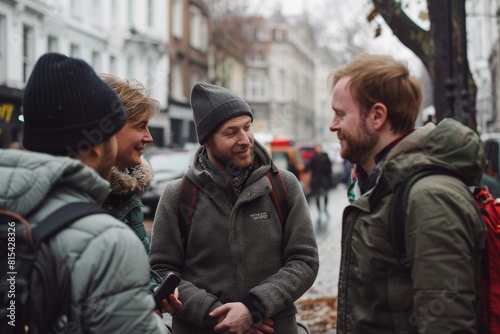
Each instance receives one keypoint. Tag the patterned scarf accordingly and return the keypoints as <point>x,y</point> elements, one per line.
<point>238,180</point>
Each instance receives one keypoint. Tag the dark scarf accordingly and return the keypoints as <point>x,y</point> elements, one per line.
<point>365,181</point>
<point>237,180</point>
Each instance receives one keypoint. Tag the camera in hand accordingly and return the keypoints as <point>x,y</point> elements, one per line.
<point>166,288</point>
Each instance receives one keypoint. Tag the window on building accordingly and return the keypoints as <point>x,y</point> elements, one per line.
<point>74,50</point>
<point>177,83</point>
<point>76,8</point>
<point>281,86</point>
<point>96,61</point>
<point>194,79</point>
<point>3,48</point>
<point>256,59</point>
<point>263,35</point>
<point>28,51</point>
<point>52,44</point>
<point>113,66</point>
<point>177,19</point>
<point>249,32</point>
<point>151,13</point>
<point>150,75</point>
<point>130,67</point>
<point>255,87</point>
<point>96,12</point>
<point>279,35</point>
<point>199,29</point>
<point>282,61</point>
<point>114,12</point>
<point>204,33</point>
<point>130,11</point>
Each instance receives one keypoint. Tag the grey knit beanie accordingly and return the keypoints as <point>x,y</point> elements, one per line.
<point>67,107</point>
<point>212,106</point>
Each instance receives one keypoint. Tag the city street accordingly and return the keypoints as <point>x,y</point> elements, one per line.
<point>317,308</point>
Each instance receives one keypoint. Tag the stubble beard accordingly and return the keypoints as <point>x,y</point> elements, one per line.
<point>233,166</point>
<point>106,164</point>
<point>359,146</point>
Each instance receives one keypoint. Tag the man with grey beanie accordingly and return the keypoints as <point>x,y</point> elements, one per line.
<point>242,268</point>
<point>71,120</point>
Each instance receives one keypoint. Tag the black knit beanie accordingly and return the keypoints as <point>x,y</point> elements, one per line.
<point>67,107</point>
<point>212,106</point>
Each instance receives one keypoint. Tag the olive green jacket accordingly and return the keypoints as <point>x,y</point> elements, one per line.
<point>445,237</point>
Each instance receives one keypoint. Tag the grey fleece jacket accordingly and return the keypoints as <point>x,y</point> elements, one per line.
<point>108,265</point>
<point>236,249</point>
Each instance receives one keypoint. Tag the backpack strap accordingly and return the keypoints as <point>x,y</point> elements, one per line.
<point>188,194</point>
<point>279,194</point>
<point>62,218</point>
<point>397,214</point>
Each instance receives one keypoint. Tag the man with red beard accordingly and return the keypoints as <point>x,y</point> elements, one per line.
<point>376,103</point>
<point>242,270</point>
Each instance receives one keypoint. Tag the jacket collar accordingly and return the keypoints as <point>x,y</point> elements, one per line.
<point>132,180</point>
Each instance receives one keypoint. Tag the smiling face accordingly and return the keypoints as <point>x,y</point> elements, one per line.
<point>357,140</point>
<point>230,147</point>
<point>131,141</point>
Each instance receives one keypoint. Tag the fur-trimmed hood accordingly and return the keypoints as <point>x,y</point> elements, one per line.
<point>133,180</point>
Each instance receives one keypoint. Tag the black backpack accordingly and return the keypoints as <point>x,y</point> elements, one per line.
<point>35,283</point>
<point>188,195</point>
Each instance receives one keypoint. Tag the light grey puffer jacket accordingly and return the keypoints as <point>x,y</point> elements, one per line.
<point>108,264</point>
<point>236,248</point>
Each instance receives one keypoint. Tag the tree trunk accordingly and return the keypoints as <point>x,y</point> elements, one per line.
<point>433,50</point>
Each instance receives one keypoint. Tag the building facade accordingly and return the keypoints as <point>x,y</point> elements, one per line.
<point>188,53</point>
<point>124,38</point>
<point>483,44</point>
<point>280,75</point>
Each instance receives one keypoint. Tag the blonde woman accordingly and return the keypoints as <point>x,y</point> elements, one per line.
<point>131,174</point>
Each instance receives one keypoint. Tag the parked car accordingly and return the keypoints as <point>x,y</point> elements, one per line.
<point>307,151</point>
<point>491,172</point>
<point>287,156</point>
<point>167,165</point>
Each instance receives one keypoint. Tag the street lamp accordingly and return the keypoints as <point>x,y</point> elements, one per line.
<point>450,82</point>
<point>464,92</point>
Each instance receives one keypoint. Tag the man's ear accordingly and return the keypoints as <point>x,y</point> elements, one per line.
<point>378,115</point>
<point>90,156</point>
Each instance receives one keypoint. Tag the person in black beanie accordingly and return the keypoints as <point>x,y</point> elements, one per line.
<point>71,120</point>
<point>242,267</point>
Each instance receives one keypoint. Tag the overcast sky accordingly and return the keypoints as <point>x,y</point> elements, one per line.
<point>335,14</point>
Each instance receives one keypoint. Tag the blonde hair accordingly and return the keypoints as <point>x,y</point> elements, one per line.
<point>381,79</point>
<point>135,99</point>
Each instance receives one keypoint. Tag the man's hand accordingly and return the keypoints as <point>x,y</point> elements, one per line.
<point>169,305</point>
<point>264,327</point>
<point>236,318</point>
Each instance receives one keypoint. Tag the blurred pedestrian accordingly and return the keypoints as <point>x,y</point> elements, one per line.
<point>131,175</point>
<point>15,145</point>
<point>242,270</point>
<point>376,103</point>
<point>71,120</point>
<point>429,120</point>
<point>321,178</point>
